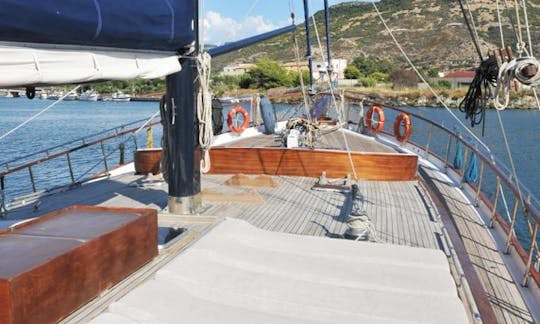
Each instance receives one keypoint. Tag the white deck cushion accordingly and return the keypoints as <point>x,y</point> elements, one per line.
<point>240,274</point>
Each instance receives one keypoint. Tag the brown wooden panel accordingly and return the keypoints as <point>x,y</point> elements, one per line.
<point>64,259</point>
<point>311,163</point>
<point>5,300</point>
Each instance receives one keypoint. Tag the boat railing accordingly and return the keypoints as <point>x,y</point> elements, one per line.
<point>111,146</point>
<point>519,222</point>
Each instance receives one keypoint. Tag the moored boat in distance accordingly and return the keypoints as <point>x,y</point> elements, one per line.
<point>89,95</point>
<point>119,96</point>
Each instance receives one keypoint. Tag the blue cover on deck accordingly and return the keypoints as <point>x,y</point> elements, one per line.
<point>164,25</point>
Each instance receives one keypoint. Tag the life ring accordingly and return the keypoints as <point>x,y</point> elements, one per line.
<point>380,119</point>
<point>405,120</point>
<point>232,114</point>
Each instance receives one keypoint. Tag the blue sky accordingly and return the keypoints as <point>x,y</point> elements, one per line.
<point>228,20</point>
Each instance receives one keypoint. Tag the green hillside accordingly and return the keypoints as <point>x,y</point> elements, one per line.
<point>433,33</point>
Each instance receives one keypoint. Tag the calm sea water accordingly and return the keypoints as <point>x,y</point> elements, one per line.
<point>75,119</point>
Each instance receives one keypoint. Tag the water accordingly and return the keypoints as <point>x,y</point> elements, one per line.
<point>67,121</point>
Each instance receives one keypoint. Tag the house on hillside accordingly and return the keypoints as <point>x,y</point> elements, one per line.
<point>320,68</point>
<point>237,69</point>
<point>460,79</point>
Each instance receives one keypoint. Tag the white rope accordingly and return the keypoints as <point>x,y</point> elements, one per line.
<point>439,99</point>
<point>39,113</point>
<point>510,157</point>
<point>500,24</point>
<point>204,108</point>
<point>527,27</point>
<point>504,84</point>
<point>147,122</point>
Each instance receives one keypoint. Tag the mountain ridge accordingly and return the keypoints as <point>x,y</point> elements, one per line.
<point>432,33</point>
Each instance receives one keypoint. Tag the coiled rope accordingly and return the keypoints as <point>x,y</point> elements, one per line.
<point>204,109</point>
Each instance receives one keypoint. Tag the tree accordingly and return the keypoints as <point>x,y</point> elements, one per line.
<point>295,77</point>
<point>267,74</point>
<point>404,78</point>
<point>433,72</point>
<point>379,76</point>
<point>352,72</point>
<point>369,66</point>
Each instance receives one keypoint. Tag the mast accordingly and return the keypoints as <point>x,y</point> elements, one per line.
<point>329,67</point>
<point>183,144</point>
<point>308,42</point>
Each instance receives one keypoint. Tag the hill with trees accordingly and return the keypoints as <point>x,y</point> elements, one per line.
<point>433,34</point>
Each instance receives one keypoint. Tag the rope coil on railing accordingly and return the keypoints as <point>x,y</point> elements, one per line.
<point>204,109</point>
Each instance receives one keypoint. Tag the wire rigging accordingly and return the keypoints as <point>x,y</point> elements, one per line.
<point>413,66</point>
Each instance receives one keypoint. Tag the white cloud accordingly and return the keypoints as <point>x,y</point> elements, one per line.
<point>219,29</point>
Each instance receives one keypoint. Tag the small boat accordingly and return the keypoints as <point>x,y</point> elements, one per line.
<point>9,95</point>
<point>89,95</point>
<point>71,97</point>
<point>44,95</point>
<point>119,96</point>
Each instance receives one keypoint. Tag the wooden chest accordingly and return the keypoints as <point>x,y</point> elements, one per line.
<point>51,266</point>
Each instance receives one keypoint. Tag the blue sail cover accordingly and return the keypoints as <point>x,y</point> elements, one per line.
<point>164,25</point>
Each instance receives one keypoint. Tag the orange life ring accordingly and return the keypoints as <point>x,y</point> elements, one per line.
<point>380,119</point>
<point>232,114</point>
<point>405,120</point>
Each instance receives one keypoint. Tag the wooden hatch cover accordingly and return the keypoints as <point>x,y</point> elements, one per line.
<point>52,265</point>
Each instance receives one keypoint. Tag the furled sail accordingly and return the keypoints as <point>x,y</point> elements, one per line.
<point>66,41</point>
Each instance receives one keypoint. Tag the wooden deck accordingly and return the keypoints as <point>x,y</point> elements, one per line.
<point>401,212</point>
<point>329,141</point>
<point>496,280</point>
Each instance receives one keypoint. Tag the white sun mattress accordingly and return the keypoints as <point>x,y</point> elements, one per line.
<point>240,274</point>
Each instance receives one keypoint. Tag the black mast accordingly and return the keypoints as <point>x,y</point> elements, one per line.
<point>329,67</point>
<point>308,42</point>
<point>183,144</point>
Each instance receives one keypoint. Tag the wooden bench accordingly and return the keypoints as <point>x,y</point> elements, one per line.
<point>52,265</point>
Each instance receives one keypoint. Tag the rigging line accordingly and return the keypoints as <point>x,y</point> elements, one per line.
<point>527,28</point>
<point>475,30</point>
<point>335,105</point>
<point>500,24</point>
<point>250,9</point>
<point>308,42</point>
<point>327,30</point>
<point>300,75</point>
<point>318,38</point>
<point>201,28</point>
<point>39,113</point>
<point>520,45</point>
<point>475,41</point>
<point>424,80</point>
<point>298,68</point>
<point>510,157</point>
<point>512,23</point>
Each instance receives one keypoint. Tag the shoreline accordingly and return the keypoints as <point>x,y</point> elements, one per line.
<point>413,97</point>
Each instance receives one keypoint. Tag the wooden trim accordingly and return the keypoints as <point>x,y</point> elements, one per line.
<point>311,163</point>
<point>5,300</point>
